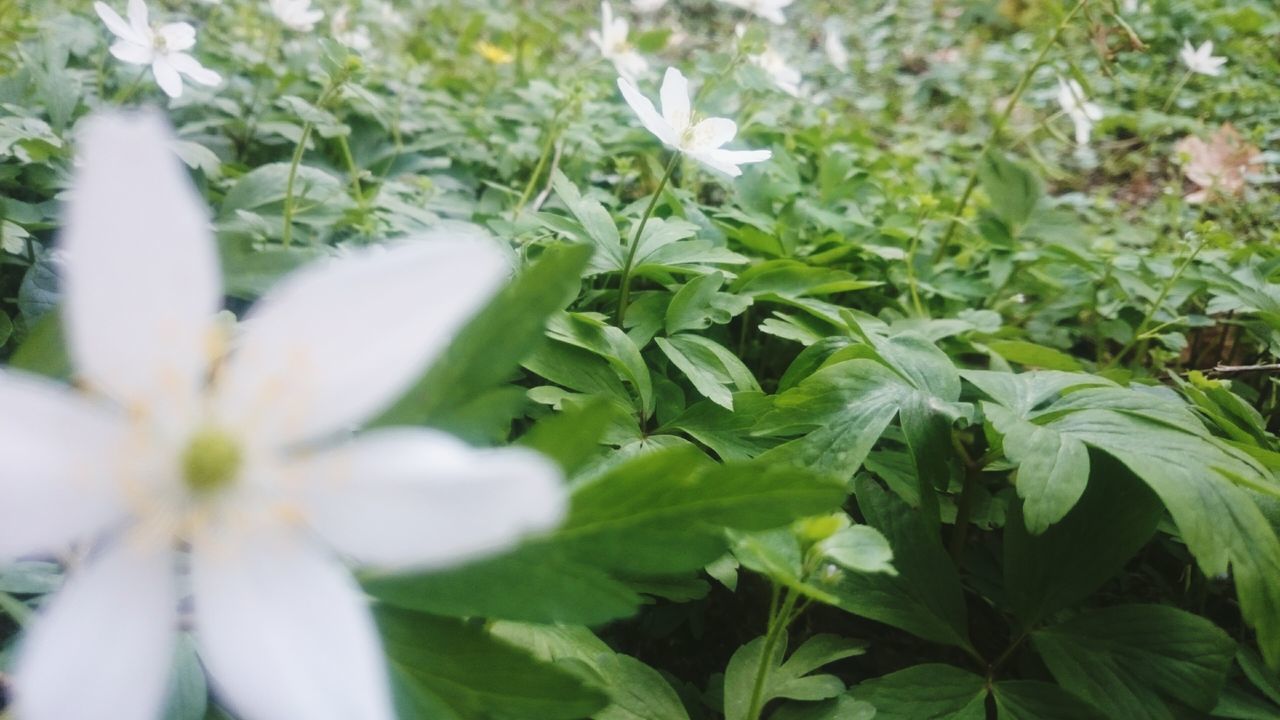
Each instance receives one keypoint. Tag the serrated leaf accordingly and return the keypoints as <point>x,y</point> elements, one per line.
<point>934,691</point>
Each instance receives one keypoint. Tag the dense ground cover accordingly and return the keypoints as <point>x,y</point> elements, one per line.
<point>940,384</point>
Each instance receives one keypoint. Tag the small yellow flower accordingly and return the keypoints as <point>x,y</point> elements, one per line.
<point>493,53</point>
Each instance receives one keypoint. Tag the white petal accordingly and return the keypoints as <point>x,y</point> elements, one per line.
<point>102,649</point>
<point>54,479</point>
<point>284,631</point>
<point>178,36</point>
<point>140,271</point>
<point>649,117</point>
<point>133,53</point>
<point>115,23</point>
<point>719,158</point>
<point>336,342</point>
<point>710,160</point>
<point>712,133</point>
<point>675,100</point>
<point>167,77</point>
<point>138,18</point>
<point>421,498</point>
<point>192,68</point>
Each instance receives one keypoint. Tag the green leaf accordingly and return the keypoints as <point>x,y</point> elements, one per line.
<point>934,691</point>
<point>1139,662</point>
<point>188,690</point>
<point>1032,700</point>
<point>785,680</point>
<point>860,548</point>
<point>512,322</point>
<point>43,351</point>
<point>1053,469</point>
<point>841,708</point>
<point>1014,190</point>
<point>1033,355</point>
<point>698,304</point>
<point>449,668</point>
<point>714,371</point>
<point>665,512</point>
<point>636,691</point>
<point>1052,571</point>
<point>590,332</point>
<point>596,222</point>
<point>925,597</point>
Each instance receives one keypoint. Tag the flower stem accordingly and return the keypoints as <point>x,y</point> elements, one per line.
<point>329,92</point>
<point>126,94</point>
<point>624,293</point>
<point>998,127</point>
<point>779,620</point>
<point>1176,89</point>
<point>548,146</point>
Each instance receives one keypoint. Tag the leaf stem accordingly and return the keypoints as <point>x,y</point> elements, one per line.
<point>779,619</point>
<point>998,127</point>
<point>1139,339</point>
<point>624,293</point>
<point>1168,103</point>
<point>307,127</point>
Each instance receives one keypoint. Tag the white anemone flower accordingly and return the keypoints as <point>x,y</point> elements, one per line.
<point>770,10</point>
<point>675,127</point>
<point>1082,112</point>
<point>297,15</point>
<point>242,465</point>
<point>164,47</point>
<point>837,53</point>
<point>775,65</point>
<point>647,6</point>
<point>348,33</point>
<point>614,46</point>
<point>1202,60</point>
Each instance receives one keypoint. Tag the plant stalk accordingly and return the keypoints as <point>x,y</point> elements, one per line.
<point>624,293</point>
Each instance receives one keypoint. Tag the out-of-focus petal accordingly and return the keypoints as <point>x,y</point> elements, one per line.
<point>140,270</point>
<point>336,342</point>
<point>734,158</point>
<point>167,77</point>
<point>192,68</point>
<point>138,19</point>
<point>55,481</point>
<point>675,100</point>
<point>103,646</point>
<point>649,117</point>
<point>132,53</point>
<point>283,630</point>
<point>178,36</point>
<point>420,498</point>
<point>116,24</point>
<point>711,133</point>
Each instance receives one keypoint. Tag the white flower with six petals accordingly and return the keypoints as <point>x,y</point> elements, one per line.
<point>243,464</point>
<point>164,48</point>
<point>675,127</point>
<point>1202,60</point>
<point>614,46</point>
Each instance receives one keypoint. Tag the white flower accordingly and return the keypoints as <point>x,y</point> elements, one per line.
<point>241,464</point>
<point>837,53</point>
<point>1202,60</point>
<point>647,6</point>
<point>353,36</point>
<point>779,71</point>
<point>675,127</point>
<point>163,48</point>
<point>613,44</point>
<point>770,10</point>
<point>1082,112</point>
<point>297,15</point>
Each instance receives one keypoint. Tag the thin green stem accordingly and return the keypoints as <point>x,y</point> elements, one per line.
<point>998,127</point>
<point>1168,103</point>
<point>548,145</point>
<point>624,293</point>
<point>779,621</point>
<point>287,237</point>
<point>1140,338</point>
<point>126,94</point>
<point>354,171</point>
<point>15,608</point>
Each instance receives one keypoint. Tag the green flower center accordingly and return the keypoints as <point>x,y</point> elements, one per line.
<point>211,461</point>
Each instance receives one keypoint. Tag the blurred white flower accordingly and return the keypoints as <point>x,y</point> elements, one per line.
<point>1082,112</point>
<point>779,71</point>
<point>614,46</point>
<point>242,463</point>
<point>675,127</point>
<point>770,10</point>
<point>297,15</point>
<point>163,48</point>
<point>647,6</point>
<point>344,31</point>
<point>837,53</point>
<point>1202,60</point>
